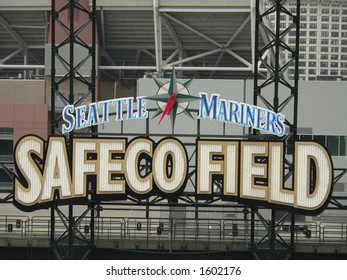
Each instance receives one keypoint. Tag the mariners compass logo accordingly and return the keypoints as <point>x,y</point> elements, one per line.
<point>172,98</point>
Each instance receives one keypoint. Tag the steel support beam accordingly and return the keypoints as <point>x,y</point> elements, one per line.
<point>10,56</point>
<point>157,37</point>
<point>180,68</point>
<point>280,98</point>
<point>23,44</point>
<point>72,68</point>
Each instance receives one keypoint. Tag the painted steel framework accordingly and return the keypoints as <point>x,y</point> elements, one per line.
<point>285,94</point>
<point>72,74</point>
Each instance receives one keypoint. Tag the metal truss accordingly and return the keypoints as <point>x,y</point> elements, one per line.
<point>71,75</point>
<point>284,94</point>
<point>276,92</point>
<point>164,18</point>
<point>22,49</point>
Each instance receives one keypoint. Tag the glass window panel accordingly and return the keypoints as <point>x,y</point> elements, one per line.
<point>320,139</point>
<point>6,147</point>
<point>333,145</point>
<point>343,145</point>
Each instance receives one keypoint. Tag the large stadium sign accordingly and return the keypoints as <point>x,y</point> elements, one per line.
<point>173,98</point>
<point>250,172</point>
<point>43,167</point>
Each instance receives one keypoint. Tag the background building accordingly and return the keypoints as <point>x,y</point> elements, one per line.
<point>323,39</point>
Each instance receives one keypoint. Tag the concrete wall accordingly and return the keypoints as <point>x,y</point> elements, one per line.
<point>22,92</point>
<point>25,119</point>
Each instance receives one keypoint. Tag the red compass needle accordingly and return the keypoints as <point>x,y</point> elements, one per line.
<point>169,106</point>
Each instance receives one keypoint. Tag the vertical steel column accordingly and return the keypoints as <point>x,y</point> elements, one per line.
<point>73,28</point>
<point>285,91</point>
<point>94,128</point>
<point>52,119</point>
<point>71,101</point>
<point>294,128</point>
<point>272,235</point>
<point>53,84</point>
<point>255,96</point>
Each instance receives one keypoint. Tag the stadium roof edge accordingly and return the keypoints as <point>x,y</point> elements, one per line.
<point>25,5</point>
<point>167,5</point>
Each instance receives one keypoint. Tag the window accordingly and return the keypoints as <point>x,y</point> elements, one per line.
<point>313,25</point>
<point>324,49</point>
<point>320,139</point>
<point>344,34</point>
<point>324,41</point>
<point>335,27</point>
<point>325,33</point>
<point>6,150</point>
<point>334,34</point>
<point>325,11</point>
<point>312,71</point>
<point>6,131</point>
<point>343,145</point>
<point>343,64</point>
<point>335,19</point>
<point>333,145</point>
<point>334,42</point>
<point>335,11</point>
<point>314,11</point>
<point>344,26</point>
<point>313,33</point>
<point>334,57</point>
<point>343,57</point>
<point>312,56</point>
<point>325,26</point>
<point>344,19</point>
<point>344,42</point>
<point>324,72</point>
<point>325,18</point>
<point>324,64</point>
<point>334,72</point>
<point>334,49</point>
<point>313,18</point>
<point>313,48</point>
<point>324,56</point>
<point>312,64</point>
<point>334,64</point>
